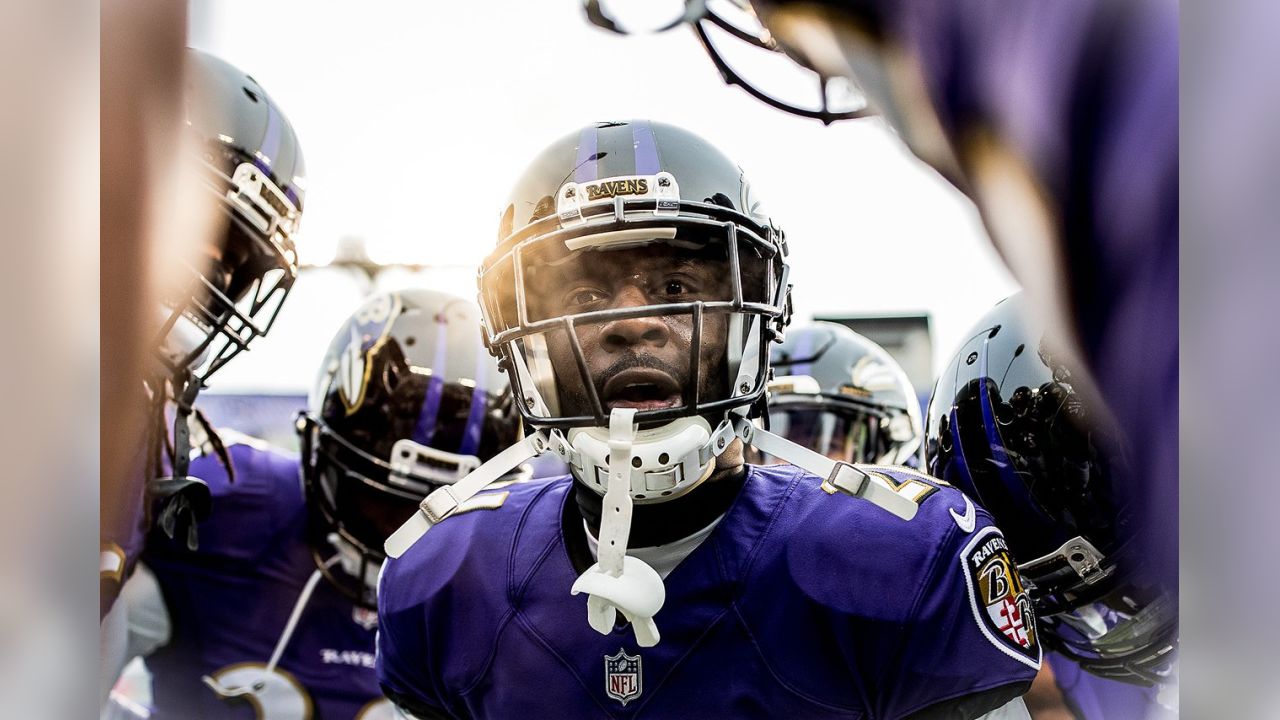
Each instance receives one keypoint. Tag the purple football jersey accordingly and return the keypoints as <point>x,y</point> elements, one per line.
<point>229,602</point>
<point>799,604</point>
<point>1086,93</point>
<point>1094,698</point>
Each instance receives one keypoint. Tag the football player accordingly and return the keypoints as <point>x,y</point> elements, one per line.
<point>1059,120</point>
<point>252,175</point>
<point>1012,424</point>
<point>840,394</point>
<point>275,610</point>
<point>253,170</point>
<point>632,299</point>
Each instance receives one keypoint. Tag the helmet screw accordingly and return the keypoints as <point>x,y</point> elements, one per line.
<point>528,402</point>
<point>570,192</point>
<point>664,182</point>
<point>720,443</point>
<point>744,388</point>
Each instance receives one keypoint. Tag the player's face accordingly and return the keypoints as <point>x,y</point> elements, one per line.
<point>640,362</point>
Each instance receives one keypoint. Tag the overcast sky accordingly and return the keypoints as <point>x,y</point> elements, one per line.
<point>415,118</point>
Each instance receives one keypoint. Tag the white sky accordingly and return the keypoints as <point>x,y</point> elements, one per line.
<point>415,118</point>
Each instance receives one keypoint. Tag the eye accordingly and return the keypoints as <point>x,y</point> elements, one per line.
<point>584,296</point>
<point>675,287</point>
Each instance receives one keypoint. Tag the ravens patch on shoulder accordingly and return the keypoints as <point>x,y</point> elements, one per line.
<point>998,599</point>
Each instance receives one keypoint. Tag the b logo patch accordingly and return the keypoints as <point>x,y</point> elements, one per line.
<point>999,602</point>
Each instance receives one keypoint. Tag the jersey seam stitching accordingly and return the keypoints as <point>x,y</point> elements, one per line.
<point>541,640</point>
<point>746,627</point>
<point>680,661</point>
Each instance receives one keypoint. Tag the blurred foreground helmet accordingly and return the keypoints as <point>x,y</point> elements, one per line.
<point>744,52</point>
<point>407,399</point>
<point>842,395</point>
<point>251,170</point>
<point>1023,434</point>
<point>252,166</point>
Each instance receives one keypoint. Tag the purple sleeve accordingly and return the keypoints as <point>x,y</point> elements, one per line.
<point>402,662</point>
<point>970,641</point>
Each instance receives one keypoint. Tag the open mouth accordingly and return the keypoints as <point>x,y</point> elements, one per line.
<point>641,389</point>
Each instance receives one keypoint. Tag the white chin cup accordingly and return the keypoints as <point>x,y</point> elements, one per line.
<point>666,462</point>
<point>351,560</point>
<point>182,339</point>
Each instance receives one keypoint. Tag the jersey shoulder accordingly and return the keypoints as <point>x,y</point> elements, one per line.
<point>824,536</point>
<point>469,550</point>
<point>452,585</point>
<point>928,610</point>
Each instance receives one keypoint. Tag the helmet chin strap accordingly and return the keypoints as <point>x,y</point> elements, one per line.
<point>444,500</point>
<point>620,582</point>
<point>840,476</point>
<point>352,562</point>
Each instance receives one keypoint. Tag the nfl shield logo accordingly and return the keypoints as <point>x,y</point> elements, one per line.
<point>622,676</point>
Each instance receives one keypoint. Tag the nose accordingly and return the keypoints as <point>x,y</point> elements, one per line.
<point>617,335</point>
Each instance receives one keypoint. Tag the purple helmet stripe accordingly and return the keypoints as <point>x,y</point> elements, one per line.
<point>646,149</point>
<point>271,141</point>
<point>999,456</point>
<point>585,170</point>
<point>960,464</point>
<point>475,418</point>
<point>425,430</point>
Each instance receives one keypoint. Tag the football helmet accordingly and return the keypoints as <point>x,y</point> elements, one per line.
<point>252,164</point>
<point>840,394</point>
<point>1015,426</point>
<point>407,399</point>
<point>744,52</point>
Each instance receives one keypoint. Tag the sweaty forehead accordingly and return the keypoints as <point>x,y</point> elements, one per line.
<point>621,263</point>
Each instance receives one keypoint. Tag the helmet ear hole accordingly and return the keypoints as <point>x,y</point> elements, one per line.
<point>545,207</point>
<point>721,199</point>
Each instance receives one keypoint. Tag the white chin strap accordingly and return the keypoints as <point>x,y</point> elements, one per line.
<point>839,476</point>
<point>444,500</point>
<point>182,339</point>
<point>619,582</point>
<point>350,559</point>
